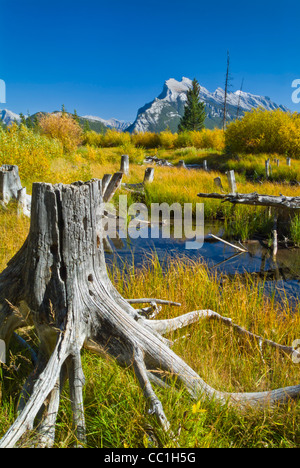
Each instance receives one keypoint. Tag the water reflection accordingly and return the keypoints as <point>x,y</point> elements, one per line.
<point>280,278</point>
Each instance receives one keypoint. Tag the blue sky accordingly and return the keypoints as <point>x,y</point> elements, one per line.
<point>110,58</point>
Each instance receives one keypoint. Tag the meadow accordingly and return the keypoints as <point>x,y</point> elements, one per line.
<point>116,412</point>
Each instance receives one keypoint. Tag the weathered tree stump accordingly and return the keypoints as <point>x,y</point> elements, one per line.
<point>58,281</point>
<point>10,183</point>
<point>11,189</point>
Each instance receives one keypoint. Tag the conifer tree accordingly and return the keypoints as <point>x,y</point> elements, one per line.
<point>22,119</point>
<point>194,111</point>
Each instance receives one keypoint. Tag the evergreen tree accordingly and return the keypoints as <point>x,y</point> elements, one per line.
<point>75,116</point>
<point>86,127</point>
<point>194,111</point>
<point>23,119</point>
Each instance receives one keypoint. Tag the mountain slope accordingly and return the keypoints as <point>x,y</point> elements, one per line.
<point>7,117</point>
<point>167,109</point>
<point>119,125</point>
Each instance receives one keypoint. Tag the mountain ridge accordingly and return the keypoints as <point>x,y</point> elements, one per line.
<point>166,110</point>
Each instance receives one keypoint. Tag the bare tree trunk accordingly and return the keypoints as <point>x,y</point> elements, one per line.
<point>226,91</point>
<point>58,281</point>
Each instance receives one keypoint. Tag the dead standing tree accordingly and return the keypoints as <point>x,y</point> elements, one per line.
<point>59,283</point>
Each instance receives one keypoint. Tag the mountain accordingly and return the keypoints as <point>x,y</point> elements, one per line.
<point>7,117</point>
<point>166,110</point>
<point>95,123</point>
<point>119,125</point>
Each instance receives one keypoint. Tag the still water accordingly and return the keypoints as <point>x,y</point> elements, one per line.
<point>280,278</point>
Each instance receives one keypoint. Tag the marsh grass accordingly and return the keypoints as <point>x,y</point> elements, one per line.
<point>295,230</point>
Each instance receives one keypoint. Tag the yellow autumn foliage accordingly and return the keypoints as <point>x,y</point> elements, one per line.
<point>30,151</point>
<point>64,128</point>
<point>261,131</point>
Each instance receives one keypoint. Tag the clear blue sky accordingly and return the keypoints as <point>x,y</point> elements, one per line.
<point>108,58</point>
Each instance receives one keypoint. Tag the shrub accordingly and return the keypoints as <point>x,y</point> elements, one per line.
<point>146,140</point>
<point>184,140</point>
<point>114,138</point>
<point>167,139</point>
<point>261,131</point>
<point>64,128</point>
<point>214,139</point>
<point>28,150</point>
<point>92,138</point>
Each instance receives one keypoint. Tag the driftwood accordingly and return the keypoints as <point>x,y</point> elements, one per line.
<point>240,249</point>
<point>291,203</point>
<point>58,282</point>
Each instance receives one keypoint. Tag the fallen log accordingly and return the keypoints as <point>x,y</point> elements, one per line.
<point>58,282</point>
<point>291,203</point>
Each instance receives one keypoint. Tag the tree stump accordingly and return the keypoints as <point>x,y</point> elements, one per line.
<point>11,189</point>
<point>59,283</point>
<point>10,183</point>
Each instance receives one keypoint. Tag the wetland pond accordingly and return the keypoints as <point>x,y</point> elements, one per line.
<point>279,279</point>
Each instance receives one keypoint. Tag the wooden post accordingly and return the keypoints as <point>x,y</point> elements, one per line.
<point>105,181</point>
<point>231,181</point>
<point>218,182</point>
<point>267,168</point>
<point>113,186</point>
<point>275,237</point>
<point>277,162</point>
<point>181,163</point>
<point>149,175</point>
<point>125,164</point>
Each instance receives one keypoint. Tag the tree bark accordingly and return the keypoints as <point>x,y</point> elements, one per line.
<point>59,283</point>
